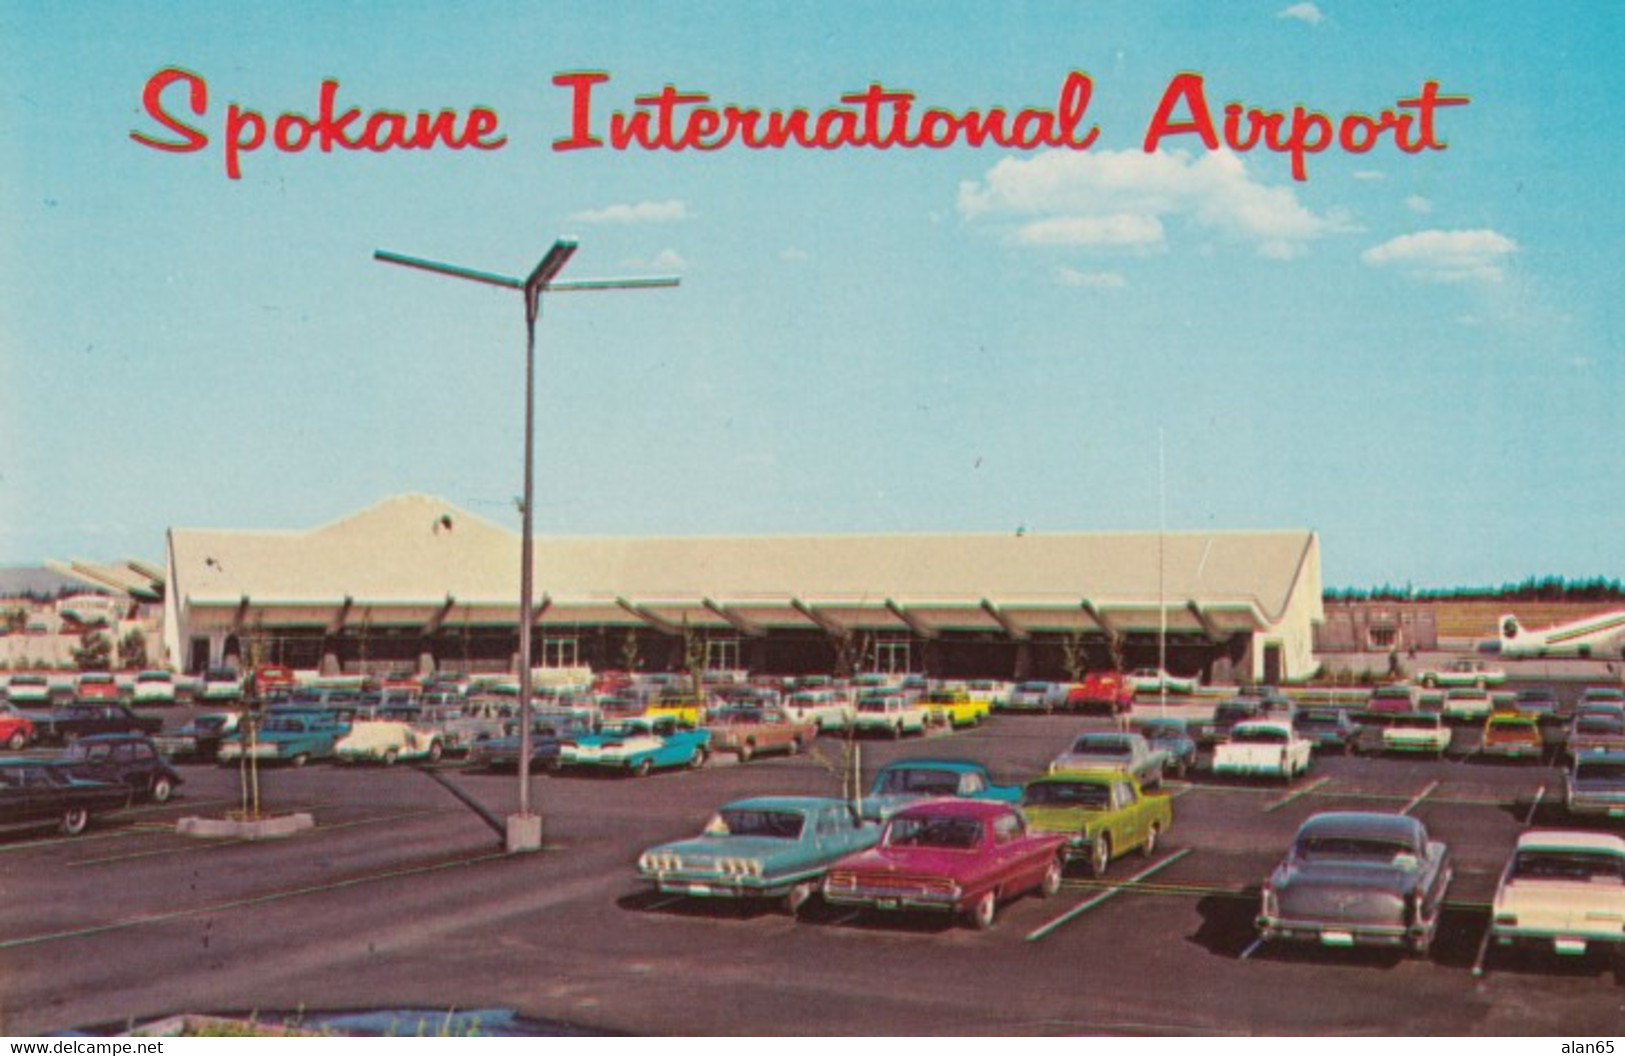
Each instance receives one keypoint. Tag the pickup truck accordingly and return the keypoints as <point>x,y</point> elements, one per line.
<point>294,736</point>
<point>1128,752</point>
<point>71,721</point>
<point>1263,748</point>
<point>1104,814</point>
<point>1472,674</point>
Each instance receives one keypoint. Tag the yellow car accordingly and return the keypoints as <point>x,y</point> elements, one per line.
<point>686,708</point>
<point>954,707</point>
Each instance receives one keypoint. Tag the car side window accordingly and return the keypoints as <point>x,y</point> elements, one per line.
<point>1122,794</point>
<point>1006,827</point>
<point>970,784</point>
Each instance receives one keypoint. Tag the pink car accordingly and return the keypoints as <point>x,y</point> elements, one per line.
<point>950,855</point>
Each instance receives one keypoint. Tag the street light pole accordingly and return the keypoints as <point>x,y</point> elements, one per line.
<point>524,832</point>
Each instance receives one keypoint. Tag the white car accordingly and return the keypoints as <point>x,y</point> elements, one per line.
<point>1263,748</point>
<point>1417,732</point>
<point>29,689</point>
<point>1036,696</point>
<point>388,742</point>
<point>825,708</point>
<point>1153,679</point>
<point>1467,704</point>
<point>1562,891</point>
<point>1474,673</point>
<point>890,713</point>
<point>154,687</point>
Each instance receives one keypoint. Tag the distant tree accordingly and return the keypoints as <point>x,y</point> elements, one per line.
<point>1072,655</point>
<point>94,651</point>
<point>16,621</point>
<point>629,650</point>
<point>132,650</point>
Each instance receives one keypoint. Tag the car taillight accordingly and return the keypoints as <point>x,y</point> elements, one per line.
<point>1506,920</point>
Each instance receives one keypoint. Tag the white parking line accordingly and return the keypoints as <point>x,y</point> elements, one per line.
<point>1419,797</point>
<point>1088,904</point>
<point>1249,951</point>
<point>1304,791</point>
<point>1540,794</point>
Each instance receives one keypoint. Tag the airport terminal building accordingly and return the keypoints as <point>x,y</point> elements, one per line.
<point>416,582</point>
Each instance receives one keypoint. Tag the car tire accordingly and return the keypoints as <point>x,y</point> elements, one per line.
<point>1051,883</point>
<point>897,732</point>
<point>1148,849</point>
<point>17,741</point>
<point>795,746</point>
<point>299,760</point>
<point>1154,780</point>
<point>1100,855</point>
<point>798,896</point>
<point>436,751</point>
<point>746,750</point>
<point>985,911</point>
<point>74,821</point>
<point>643,768</point>
<point>162,789</point>
<point>391,757</point>
<point>698,760</point>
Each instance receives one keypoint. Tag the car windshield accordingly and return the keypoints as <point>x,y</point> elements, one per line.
<point>1353,849</point>
<point>1235,710</point>
<point>1087,745</point>
<point>284,726</point>
<point>777,824</point>
<point>1577,866</point>
<point>874,703</point>
<point>1416,722</point>
<point>929,782</point>
<point>1600,770</point>
<point>1320,718</point>
<point>1258,735</point>
<point>1599,724</point>
<point>1086,794</point>
<point>623,729</point>
<point>955,834</point>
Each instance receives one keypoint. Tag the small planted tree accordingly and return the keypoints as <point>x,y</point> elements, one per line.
<point>94,651</point>
<point>132,650</point>
<point>1073,658</point>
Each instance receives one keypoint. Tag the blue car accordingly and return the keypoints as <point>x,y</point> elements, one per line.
<point>763,847</point>
<point>907,781</point>
<point>638,746</point>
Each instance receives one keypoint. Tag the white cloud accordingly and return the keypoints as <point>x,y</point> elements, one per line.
<point>1303,13</point>
<point>1090,280</point>
<point>1124,198</point>
<point>1418,204</point>
<point>1445,256</point>
<point>638,213</point>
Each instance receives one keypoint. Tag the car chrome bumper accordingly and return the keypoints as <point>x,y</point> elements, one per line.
<point>1275,929</point>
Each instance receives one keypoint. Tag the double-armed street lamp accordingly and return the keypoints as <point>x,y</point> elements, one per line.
<point>524,830</point>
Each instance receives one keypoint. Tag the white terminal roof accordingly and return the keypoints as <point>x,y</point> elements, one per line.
<point>416,554</point>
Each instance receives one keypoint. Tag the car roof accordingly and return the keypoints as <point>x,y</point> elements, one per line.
<point>100,737</point>
<point>793,803</point>
<point>955,807</point>
<point>962,765</point>
<point>1569,839</point>
<point>1363,824</point>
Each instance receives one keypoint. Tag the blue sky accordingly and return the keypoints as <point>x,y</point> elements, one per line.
<point>1414,355</point>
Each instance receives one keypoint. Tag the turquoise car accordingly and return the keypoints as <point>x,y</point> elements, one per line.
<point>638,746</point>
<point>907,781</point>
<point>768,847</point>
<point>294,736</point>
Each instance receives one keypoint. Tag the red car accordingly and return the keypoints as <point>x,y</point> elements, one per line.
<point>1110,691</point>
<point>15,729</point>
<point>960,856</point>
<point>95,685</point>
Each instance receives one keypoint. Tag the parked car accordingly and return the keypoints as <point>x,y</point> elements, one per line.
<point>1128,752</point>
<point>748,732</point>
<point>950,856</point>
<point>1597,731</point>
<point>548,732</point>
<point>766,847</point>
<point>267,680</point>
<point>1171,736</point>
<point>1104,814</point>
<point>16,729</point>
<point>827,709</point>
<point>1595,785</point>
<point>1512,735</point>
<point>1393,699</point>
<point>891,713</point>
<point>679,704</point>
<point>1328,729</point>
<point>292,735</point>
<point>1035,696</point>
<point>1108,691</point>
<point>129,759</point>
<point>95,686</point>
<point>198,739</point>
<point>1263,748</point>
<point>38,793</point>
<point>388,741</point>
<point>1465,672</point>
<point>220,685</point>
<point>480,717</point>
<point>1609,696</point>
<point>1417,732</point>
<point>1148,680</point>
<point>1467,705</point>
<point>905,781</point>
<point>1356,879</point>
<point>1541,702</point>
<point>153,689</point>
<point>953,707</point>
<point>28,689</point>
<point>62,724</point>
<point>1561,891</point>
<point>1227,714</point>
<point>638,746</point>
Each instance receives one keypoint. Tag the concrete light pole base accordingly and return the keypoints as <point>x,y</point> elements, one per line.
<point>245,828</point>
<point>524,833</point>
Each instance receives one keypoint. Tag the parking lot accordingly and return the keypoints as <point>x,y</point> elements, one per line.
<point>401,897</point>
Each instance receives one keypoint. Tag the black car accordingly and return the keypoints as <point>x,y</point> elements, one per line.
<point>40,793</point>
<point>546,735</point>
<point>124,759</point>
<point>199,739</point>
<point>71,721</point>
